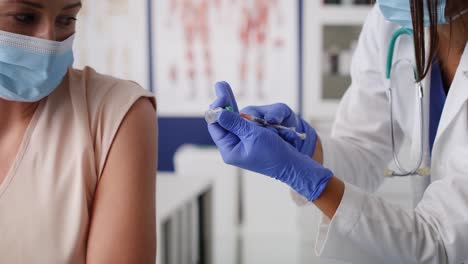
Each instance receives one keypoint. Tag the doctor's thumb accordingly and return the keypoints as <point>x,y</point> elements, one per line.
<point>280,114</point>
<point>234,123</point>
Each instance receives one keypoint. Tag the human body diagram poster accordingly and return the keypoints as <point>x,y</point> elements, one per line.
<point>252,44</point>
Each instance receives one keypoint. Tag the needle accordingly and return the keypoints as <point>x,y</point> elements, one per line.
<point>263,122</point>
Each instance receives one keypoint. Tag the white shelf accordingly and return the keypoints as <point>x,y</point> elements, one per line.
<point>174,191</point>
<point>316,17</point>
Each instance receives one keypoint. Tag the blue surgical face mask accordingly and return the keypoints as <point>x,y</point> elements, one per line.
<point>399,12</point>
<point>32,68</point>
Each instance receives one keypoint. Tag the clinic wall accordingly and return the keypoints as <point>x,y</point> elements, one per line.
<point>184,70</point>
<point>143,41</point>
<point>111,37</point>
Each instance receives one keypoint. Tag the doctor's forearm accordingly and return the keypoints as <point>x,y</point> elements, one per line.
<point>331,197</point>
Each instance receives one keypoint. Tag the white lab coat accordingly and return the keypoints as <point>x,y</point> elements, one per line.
<point>359,149</point>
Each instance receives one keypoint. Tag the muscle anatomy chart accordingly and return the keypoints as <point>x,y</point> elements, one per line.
<point>112,37</point>
<point>252,44</point>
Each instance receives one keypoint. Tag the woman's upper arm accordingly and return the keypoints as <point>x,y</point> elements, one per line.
<point>123,222</point>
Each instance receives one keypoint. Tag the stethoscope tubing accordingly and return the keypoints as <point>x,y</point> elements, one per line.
<point>417,170</point>
<point>401,171</point>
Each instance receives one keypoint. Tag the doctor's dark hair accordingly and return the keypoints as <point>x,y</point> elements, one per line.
<point>417,13</point>
<point>453,8</point>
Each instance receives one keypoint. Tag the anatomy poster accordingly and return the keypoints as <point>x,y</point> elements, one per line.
<point>112,38</point>
<point>252,44</point>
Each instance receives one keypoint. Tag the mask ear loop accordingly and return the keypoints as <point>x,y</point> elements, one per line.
<point>457,16</point>
<point>462,13</point>
<point>451,20</point>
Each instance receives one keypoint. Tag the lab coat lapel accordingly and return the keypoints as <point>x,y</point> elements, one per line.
<point>457,96</point>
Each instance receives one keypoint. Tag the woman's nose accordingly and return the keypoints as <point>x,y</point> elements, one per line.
<point>47,31</point>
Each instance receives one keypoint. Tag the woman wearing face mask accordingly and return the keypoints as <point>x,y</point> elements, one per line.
<point>403,43</point>
<point>77,149</point>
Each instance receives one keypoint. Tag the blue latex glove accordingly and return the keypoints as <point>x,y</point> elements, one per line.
<point>281,114</point>
<point>255,148</point>
<point>224,97</point>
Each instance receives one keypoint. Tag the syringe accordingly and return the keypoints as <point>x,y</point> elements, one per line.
<point>263,122</point>
<point>211,117</point>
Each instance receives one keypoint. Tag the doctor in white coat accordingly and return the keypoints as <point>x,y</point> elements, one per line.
<point>429,113</point>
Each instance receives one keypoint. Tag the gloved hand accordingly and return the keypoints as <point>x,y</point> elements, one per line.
<point>281,114</point>
<point>255,148</point>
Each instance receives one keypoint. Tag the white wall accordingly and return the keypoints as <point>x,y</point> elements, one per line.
<point>111,37</point>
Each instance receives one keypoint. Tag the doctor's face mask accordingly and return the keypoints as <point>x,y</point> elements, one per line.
<point>399,12</point>
<point>36,40</point>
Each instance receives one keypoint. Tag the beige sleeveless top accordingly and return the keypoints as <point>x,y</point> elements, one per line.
<point>47,196</point>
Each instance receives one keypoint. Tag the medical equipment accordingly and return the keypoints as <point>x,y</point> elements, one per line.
<point>262,122</point>
<point>248,146</point>
<point>399,12</point>
<point>417,169</point>
<point>283,115</point>
<point>211,117</point>
<point>32,68</point>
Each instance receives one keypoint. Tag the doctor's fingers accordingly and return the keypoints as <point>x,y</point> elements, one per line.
<point>220,102</point>
<point>225,96</point>
<point>281,114</point>
<point>290,136</point>
<point>217,132</point>
<point>235,124</point>
<point>223,139</point>
<point>278,114</point>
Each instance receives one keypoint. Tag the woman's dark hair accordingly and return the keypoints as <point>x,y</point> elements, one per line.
<point>417,13</point>
<point>454,7</point>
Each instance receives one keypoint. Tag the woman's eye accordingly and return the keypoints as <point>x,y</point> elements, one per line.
<point>25,18</point>
<point>67,21</point>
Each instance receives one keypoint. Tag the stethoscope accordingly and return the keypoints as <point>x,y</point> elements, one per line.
<point>417,169</point>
